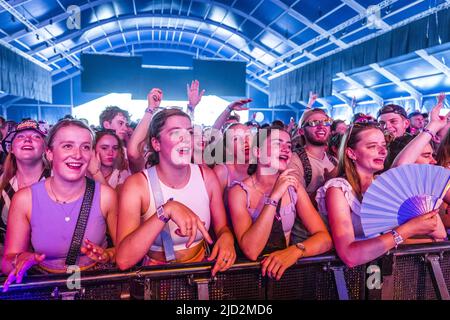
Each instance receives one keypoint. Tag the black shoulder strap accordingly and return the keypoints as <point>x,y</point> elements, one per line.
<point>80,228</point>
<point>307,169</point>
<point>332,159</point>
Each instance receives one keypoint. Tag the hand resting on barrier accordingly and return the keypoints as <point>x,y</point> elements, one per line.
<point>21,263</point>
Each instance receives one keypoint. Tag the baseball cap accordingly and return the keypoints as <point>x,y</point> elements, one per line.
<point>392,108</point>
<point>417,113</point>
<point>40,127</point>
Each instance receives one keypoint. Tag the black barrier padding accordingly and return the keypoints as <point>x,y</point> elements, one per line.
<point>310,279</point>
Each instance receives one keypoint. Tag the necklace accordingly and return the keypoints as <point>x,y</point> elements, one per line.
<point>56,198</point>
<point>62,204</point>
<point>256,188</point>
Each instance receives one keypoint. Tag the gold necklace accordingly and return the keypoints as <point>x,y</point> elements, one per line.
<point>56,198</point>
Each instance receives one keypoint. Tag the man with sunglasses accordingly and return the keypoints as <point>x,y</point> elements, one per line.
<point>312,163</point>
<point>393,118</point>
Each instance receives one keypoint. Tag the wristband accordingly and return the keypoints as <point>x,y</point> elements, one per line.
<point>270,202</point>
<point>431,133</point>
<point>162,215</point>
<point>398,239</point>
<point>149,110</point>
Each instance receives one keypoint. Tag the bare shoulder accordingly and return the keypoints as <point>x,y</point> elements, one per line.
<point>23,196</point>
<point>220,171</point>
<point>107,192</point>
<point>208,173</point>
<point>21,203</point>
<point>135,182</point>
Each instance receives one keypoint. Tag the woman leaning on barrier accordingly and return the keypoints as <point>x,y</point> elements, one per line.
<point>362,154</point>
<point>64,218</point>
<point>264,205</point>
<point>24,165</point>
<point>166,210</point>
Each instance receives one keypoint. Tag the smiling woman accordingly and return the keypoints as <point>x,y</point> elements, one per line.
<point>24,166</point>
<point>45,215</point>
<point>159,218</point>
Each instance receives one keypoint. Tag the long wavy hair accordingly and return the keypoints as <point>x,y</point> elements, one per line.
<point>346,167</point>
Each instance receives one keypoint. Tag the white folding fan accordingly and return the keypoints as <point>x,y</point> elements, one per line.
<point>401,194</point>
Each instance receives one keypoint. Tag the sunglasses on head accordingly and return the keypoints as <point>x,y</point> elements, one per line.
<point>366,119</point>
<point>315,123</point>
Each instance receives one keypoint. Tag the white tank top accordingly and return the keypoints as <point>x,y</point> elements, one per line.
<point>193,195</point>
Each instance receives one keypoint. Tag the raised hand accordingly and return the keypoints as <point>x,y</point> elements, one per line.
<point>239,105</point>
<point>194,94</point>
<point>291,125</point>
<point>154,98</point>
<point>94,164</point>
<point>438,122</point>
<point>312,98</point>
<point>24,261</point>
<point>283,182</point>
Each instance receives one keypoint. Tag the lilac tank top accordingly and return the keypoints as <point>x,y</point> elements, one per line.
<point>53,224</point>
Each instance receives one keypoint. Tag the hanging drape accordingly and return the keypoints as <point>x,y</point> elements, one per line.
<point>317,76</point>
<point>21,77</point>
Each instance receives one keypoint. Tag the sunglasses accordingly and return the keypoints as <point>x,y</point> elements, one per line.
<point>315,123</point>
<point>366,119</point>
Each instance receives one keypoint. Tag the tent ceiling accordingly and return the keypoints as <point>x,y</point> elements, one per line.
<point>273,36</point>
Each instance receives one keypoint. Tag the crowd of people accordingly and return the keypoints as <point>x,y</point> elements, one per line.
<point>166,191</point>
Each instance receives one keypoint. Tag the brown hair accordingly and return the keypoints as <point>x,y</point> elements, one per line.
<point>443,152</point>
<point>122,163</point>
<point>155,128</point>
<point>110,112</point>
<point>66,123</point>
<point>258,140</point>
<point>346,167</point>
<point>9,170</point>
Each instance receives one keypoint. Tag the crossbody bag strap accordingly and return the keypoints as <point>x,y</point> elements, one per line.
<point>80,228</point>
<point>166,238</point>
<point>307,169</point>
<point>332,159</point>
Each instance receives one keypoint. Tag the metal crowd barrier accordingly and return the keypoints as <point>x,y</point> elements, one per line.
<point>411,272</point>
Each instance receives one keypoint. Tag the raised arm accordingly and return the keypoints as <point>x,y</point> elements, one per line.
<point>194,97</point>
<point>253,237</point>
<point>134,149</point>
<point>237,105</point>
<point>414,149</point>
